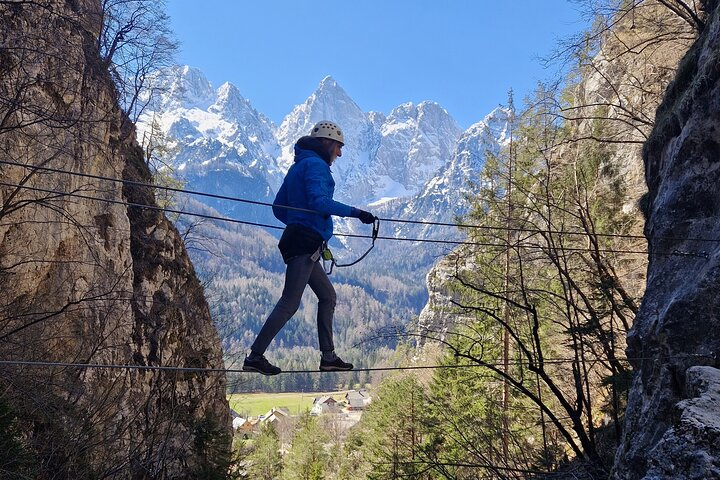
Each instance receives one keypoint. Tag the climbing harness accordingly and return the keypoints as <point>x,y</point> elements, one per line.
<point>327,255</point>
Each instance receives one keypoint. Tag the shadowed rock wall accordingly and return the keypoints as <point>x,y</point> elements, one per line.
<point>671,426</point>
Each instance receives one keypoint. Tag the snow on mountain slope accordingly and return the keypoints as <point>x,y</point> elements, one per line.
<point>385,157</point>
<point>443,198</point>
<point>415,142</point>
<point>219,142</point>
<point>331,102</point>
<point>414,163</point>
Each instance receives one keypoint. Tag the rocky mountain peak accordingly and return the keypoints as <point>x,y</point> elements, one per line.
<point>497,123</point>
<point>328,84</point>
<point>229,99</point>
<point>232,107</point>
<point>186,87</point>
<point>426,134</point>
<point>330,102</point>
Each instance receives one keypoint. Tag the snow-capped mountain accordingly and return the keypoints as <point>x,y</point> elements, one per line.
<point>443,198</point>
<point>218,142</point>
<point>331,102</point>
<point>415,141</point>
<point>414,163</point>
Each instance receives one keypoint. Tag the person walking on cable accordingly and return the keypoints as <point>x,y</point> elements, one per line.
<point>307,190</point>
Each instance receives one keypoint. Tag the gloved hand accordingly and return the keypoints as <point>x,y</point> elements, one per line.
<point>365,217</point>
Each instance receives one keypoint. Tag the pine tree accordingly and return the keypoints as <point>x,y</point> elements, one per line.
<point>16,458</point>
<point>396,430</point>
<point>265,462</point>
<point>307,458</point>
<point>549,289</point>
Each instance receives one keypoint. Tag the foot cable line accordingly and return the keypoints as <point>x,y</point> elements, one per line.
<point>501,468</point>
<point>700,254</point>
<point>395,220</point>
<point>481,364</point>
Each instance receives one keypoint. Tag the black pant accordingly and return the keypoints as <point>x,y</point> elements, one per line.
<point>301,271</point>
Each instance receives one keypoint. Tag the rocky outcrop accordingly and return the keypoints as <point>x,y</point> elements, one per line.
<point>670,427</point>
<point>688,449</point>
<point>440,316</point>
<point>88,279</point>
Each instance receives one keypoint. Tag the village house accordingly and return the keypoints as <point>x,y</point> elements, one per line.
<point>323,405</point>
<point>277,416</point>
<point>357,399</point>
<point>248,428</point>
<point>236,419</point>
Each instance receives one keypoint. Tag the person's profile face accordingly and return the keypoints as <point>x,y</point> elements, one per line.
<point>335,150</point>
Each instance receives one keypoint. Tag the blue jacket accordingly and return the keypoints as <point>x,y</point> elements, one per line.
<point>309,184</point>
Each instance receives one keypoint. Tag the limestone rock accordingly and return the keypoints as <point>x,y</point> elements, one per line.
<point>87,279</point>
<point>690,449</point>
<point>678,326</point>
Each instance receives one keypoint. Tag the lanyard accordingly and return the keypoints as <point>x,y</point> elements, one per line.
<point>327,255</point>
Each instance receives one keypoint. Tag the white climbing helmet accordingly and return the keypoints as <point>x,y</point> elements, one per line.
<point>325,129</point>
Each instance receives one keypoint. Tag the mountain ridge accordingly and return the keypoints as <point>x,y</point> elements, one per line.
<point>388,158</point>
<point>413,163</point>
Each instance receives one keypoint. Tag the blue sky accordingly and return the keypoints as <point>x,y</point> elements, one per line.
<point>463,54</point>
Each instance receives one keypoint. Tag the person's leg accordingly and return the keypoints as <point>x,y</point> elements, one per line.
<point>323,288</point>
<point>297,273</point>
<point>325,292</point>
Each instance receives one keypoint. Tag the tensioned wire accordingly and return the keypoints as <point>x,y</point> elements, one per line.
<point>563,248</point>
<point>396,220</point>
<point>349,235</point>
<point>479,364</point>
<point>157,208</point>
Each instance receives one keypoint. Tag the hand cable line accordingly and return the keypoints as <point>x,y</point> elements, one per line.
<point>701,254</point>
<point>287,207</point>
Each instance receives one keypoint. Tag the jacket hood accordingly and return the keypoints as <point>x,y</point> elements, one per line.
<point>310,146</point>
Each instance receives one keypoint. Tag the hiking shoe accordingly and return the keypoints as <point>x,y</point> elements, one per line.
<point>336,365</point>
<point>260,365</point>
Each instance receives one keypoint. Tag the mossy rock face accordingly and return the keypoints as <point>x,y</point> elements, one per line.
<point>17,458</point>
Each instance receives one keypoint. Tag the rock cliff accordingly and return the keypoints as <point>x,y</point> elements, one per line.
<point>620,86</point>
<point>88,279</point>
<point>671,424</point>
<point>671,420</point>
